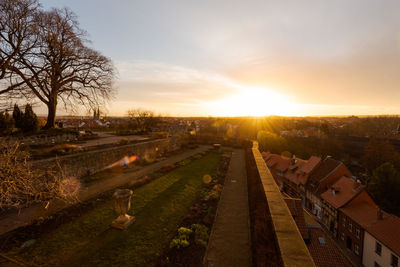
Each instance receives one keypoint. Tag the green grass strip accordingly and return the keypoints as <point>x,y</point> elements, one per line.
<point>158,206</point>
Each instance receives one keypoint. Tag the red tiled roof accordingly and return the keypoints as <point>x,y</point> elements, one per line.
<point>387,231</point>
<point>278,162</point>
<point>294,169</point>
<point>294,173</point>
<point>321,171</point>
<point>328,254</point>
<point>311,163</point>
<point>342,192</point>
<point>362,209</point>
<point>296,209</point>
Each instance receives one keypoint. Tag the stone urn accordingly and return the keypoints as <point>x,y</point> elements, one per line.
<point>122,203</point>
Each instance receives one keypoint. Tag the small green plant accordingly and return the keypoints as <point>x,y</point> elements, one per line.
<point>184,232</point>
<point>200,234</point>
<point>179,243</point>
<point>212,195</point>
<point>182,240</point>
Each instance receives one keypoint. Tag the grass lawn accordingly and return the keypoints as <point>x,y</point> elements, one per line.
<point>158,207</point>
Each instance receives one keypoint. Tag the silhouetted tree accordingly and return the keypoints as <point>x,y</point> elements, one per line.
<point>18,117</point>
<point>142,119</point>
<point>271,142</point>
<point>378,152</point>
<point>30,120</point>
<point>384,186</point>
<point>6,123</point>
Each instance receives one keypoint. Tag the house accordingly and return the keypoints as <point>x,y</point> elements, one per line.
<point>382,243</point>
<point>278,165</point>
<point>291,174</point>
<point>353,218</point>
<point>296,177</point>
<point>338,195</point>
<point>320,179</point>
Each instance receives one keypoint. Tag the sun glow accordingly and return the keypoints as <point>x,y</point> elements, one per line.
<point>253,102</point>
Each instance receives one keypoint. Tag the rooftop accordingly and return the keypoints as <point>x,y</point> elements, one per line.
<point>296,209</point>
<point>327,166</point>
<point>342,192</point>
<point>387,231</point>
<point>362,209</point>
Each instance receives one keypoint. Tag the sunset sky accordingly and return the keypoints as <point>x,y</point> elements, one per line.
<point>221,58</point>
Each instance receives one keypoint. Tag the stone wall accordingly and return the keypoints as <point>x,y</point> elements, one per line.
<point>90,162</point>
<point>42,139</point>
<point>276,240</point>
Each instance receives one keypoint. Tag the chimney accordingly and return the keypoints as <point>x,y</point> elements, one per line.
<point>293,160</point>
<point>380,214</point>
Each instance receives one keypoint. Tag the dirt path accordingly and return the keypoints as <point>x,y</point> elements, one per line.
<point>229,243</point>
<point>28,215</point>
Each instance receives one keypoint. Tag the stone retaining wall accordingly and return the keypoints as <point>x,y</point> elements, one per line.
<point>90,162</point>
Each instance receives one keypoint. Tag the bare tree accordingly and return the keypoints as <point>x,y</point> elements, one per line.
<point>61,67</point>
<point>143,119</point>
<point>17,38</point>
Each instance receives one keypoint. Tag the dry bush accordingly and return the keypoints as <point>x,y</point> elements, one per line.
<point>20,185</point>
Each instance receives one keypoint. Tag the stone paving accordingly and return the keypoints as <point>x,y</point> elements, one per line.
<point>229,243</point>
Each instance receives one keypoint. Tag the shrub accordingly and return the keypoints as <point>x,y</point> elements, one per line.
<point>179,243</point>
<point>159,135</point>
<point>6,123</point>
<point>182,240</point>
<point>167,168</point>
<point>200,234</point>
<point>123,141</point>
<point>184,232</point>
<point>20,185</point>
<point>66,149</point>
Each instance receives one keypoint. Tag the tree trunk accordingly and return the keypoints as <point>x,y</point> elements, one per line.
<point>51,115</point>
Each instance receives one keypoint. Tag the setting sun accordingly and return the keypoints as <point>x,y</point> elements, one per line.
<point>253,102</point>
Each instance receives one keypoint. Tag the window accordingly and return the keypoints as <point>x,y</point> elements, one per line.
<point>344,221</point>
<point>394,261</point>
<point>376,264</point>
<point>378,248</point>
<point>358,233</point>
<point>350,227</point>
<point>356,249</point>
<point>343,236</point>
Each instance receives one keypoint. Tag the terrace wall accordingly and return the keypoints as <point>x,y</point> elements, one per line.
<point>90,162</point>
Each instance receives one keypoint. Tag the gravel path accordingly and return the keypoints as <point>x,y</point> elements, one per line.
<point>28,215</point>
<point>229,243</point>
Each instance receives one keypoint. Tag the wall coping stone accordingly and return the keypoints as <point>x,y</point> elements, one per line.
<point>294,251</point>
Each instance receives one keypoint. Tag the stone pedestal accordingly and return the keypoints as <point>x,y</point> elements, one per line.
<point>123,222</point>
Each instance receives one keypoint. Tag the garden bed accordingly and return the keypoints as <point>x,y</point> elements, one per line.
<point>81,235</point>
